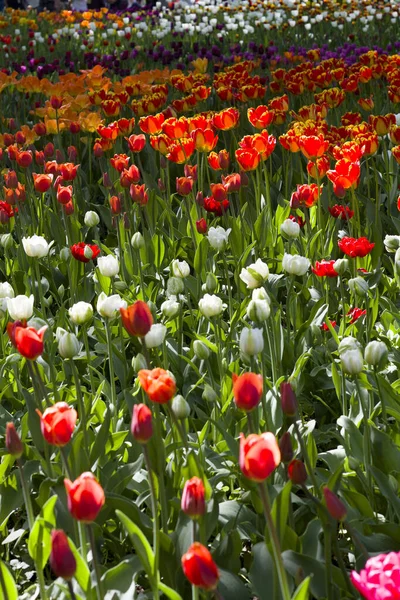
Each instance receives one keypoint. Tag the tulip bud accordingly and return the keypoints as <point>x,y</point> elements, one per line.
<point>6,241</point>
<point>88,252</point>
<point>80,313</point>
<point>286,448</point>
<point>91,219</point>
<point>200,198</point>
<point>258,310</point>
<point>297,472</point>
<point>376,354</point>
<point>62,559</point>
<point>161,185</point>
<point>180,407</point>
<point>13,442</point>
<point>175,286</point>
<point>201,350</point>
<point>290,229</point>
<point>392,242</point>
<point>137,241</point>
<point>358,286</point>
<point>142,424</point>
<point>155,336</point>
<point>251,341</point>
<point>396,262</point>
<point>107,183</point>
<point>351,356</point>
<point>341,265</point>
<point>288,400</point>
<point>65,254</point>
<point>139,363</point>
<point>68,345</point>
<point>211,283</point>
<point>201,226</point>
<point>209,394</point>
<point>334,505</point>
<point>193,501</point>
<point>61,290</point>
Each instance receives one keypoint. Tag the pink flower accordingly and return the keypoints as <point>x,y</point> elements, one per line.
<point>380,579</point>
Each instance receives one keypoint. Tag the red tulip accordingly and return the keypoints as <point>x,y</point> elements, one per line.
<point>313,146</point>
<point>297,472</point>
<point>288,400</point>
<point>158,384</point>
<point>354,247</point>
<point>64,194</point>
<point>305,195</point>
<point>142,425</point>
<point>136,143</point>
<point>325,268</point>
<point>85,497</point>
<point>201,226</point>
<point>27,340</point>
<point>42,183</point>
<point>13,442</point>
<point>341,212</point>
<point>62,559</point>
<point>58,423</point>
<point>199,567</point>
<point>184,185</point>
<point>193,501</point>
<point>259,455</point>
<point>120,162</point>
<point>334,505</point>
<point>68,171</point>
<point>84,252</point>
<point>286,447</point>
<point>248,158</point>
<point>247,390</point>
<point>355,313</point>
<point>137,318</point>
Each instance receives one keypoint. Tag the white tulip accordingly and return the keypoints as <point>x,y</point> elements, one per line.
<point>91,218</point>
<point>359,286</point>
<point>255,274</point>
<point>81,313</point>
<point>36,246</point>
<point>210,306</point>
<point>180,268</point>
<point>6,291</point>
<point>258,310</point>
<point>108,306</point>
<point>295,264</point>
<point>351,356</point>
<point>175,286</point>
<point>108,265</point>
<point>155,336</point>
<point>391,242</point>
<point>251,341</point>
<point>170,307</point>
<point>376,354</point>
<point>290,229</point>
<point>218,237</point>
<point>20,308</point>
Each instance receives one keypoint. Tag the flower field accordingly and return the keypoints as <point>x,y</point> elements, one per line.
<point>199,302</point>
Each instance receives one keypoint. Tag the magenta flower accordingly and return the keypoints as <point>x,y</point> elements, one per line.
<point>380,579</point>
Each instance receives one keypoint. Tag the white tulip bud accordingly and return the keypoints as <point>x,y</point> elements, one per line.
<point>211,283</point>
<point>68,345</point>
<point>6,291</point>
<point>170,308</point>
<point>180,269</point>
<point>376,354</point>
<point>218,237</point>
<point>209,394</point>
<point>255,274</point>
<point>258,310</point>
<point>137,241</point>
<point>88,252</point>
<point>80,313</point>
<point>108,265</point>
<point>351,356</point>
<point>155,336</point>
<point>290,229</point>
<point>6,241</point>
<point>295,264</point>
<point>65,254</point>
<point>397,262</point>
<point>139,362</point>
<point>210,306</point>
<point>20,308</point>
<point>358,286</point>
<point>91,218</point>
<point>175,286</point>
<point>251,341</point>
<point>108,306</point>
<point>180,407</point>
<point>391,242</point>
<point>341,265</point>
<point>201,350</point>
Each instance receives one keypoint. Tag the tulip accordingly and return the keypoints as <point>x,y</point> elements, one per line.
<point>170,307</point>
<point>359,286</point>
<point>210,306</point>
<point>295,264</point>
<point>36,246</point>
<point>259,456</point>
<point>351,356</point>
<point>180,407</point>
<point>137,318</point>
<point>334,505</point>
<point>297,472</point>
<point>201,226</point>
<point>288,400</point>
<point>286,447</point>
<point>91,218</point>
<point>193,502</point>
<point>20,308</point>
<point>142,426</point>
<point>290,229</point>
<point>218,237</point>
<point>27,340</point>
<point>184,185</point>
<point>255,274</point>
<point>247,390</point>
<point>251,341</point>
<point>84,252</point>
<point>199,567</point>
<point>201,350</point>
<point>137,241</point>
<point>180,268</point>
<point>58,423</point>
<point>355,247</point>
<point>68,344</point>
<point>108,265</point>
<point>108,306</point>
<point>62,559</point>
<point>64,194</point>
<point>259,306</point>
<point>42,183</point>
<point>6,291</point>
<point>379,579</point>
<point>85,497</point>
<point>155,336</point>
<point>158,384</point>
<point>376,354</point>
<point>175,286</point>
<point>80,313</point>
<point>13,442</point>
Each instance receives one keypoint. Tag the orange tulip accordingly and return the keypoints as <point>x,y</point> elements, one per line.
<point>42,183</point>
<point>158,384</point>
<point>248,158</point>
<point>259,455</point>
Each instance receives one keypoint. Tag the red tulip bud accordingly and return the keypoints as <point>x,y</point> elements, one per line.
<point>297,472</point>
<point>288,400</point>
<point>62,560</point>
<point>193,501</point>
<point>142,425</point>
<point>334,505</point>
<point>14,444</point>
<point>286,448</point>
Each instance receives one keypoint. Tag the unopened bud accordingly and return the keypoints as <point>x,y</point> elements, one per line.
<point>180,407</point>
<point>211,283</point>
<point>358,286</point>
<point>341,265</point>
<point>62,559</point>
<point>297,472</point>
<point>376,354</point>
<point>142,424</point>
<point>68,345</point>
<point>288,400</point>
<point>334,505</point>
<point>209,394</point>
<point>6,240</point>
<point>201,350</point>
<point>139,362</point>
<point>65,254</point>
<point>91,219</point>
<point>137,241</point>
<point>286,448</point>
<point>14,444</point>
<point>88,252</point>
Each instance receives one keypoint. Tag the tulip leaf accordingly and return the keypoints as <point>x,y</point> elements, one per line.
<point>39,541</point>
<point>140,543</point>
<point>10,589</point>
<point>169,592</point>
<point>82,573</point>
<point>302,592</point>
<point>280,509</point>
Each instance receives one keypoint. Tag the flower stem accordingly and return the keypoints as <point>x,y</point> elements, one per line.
<point>113,405</point>
<point>306,458</point>
<point>161,468</point>
<point>81,405</point>
<point>71,590</point>
<point>88,358</point>
<point>154,510</point>
<point>96,565</point>
<point>276,549</point>
<point>328,560</point>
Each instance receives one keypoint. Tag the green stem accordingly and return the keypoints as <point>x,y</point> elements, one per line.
<point>71,590</point>
<point>366,441</point>
<point>328,560</point>
<point>99,588</point>
<point>113,405</point>
<point>276,549</point>
<point>81,406</point>
<point>88,358</point>
<point>161,468</point>
<point>82,540</point>
<point>40,288</point>
<point>306,458</point>
<point>156,532</point>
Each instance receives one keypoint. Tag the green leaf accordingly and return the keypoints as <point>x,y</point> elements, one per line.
<point>295,562</point>
<point>82,573</point>
<point>140,543</point>
<point>169,592</point>
<point>121,579</point>
<point>280,509</point>
<point>231,587</point>
<point>9,584</point>
<point>302,591</point>
<point>262,572</point>
<point>385,454</point>
<point>39,542</point>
